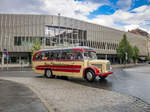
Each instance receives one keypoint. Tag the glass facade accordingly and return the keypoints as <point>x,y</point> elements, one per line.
<point>55,36</point>
<point>63,35</point>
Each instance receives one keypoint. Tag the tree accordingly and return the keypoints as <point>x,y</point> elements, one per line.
<point>36,46</point>
<point>135,54</point>
<point>124,50</point>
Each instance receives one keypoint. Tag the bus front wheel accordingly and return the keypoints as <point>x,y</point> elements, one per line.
<point>90,75</point>
<point>49,74</point>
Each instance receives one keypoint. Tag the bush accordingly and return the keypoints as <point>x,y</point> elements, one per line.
<point>147,58</point>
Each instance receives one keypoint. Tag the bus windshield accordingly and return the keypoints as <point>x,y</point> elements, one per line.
<point>90,55</point>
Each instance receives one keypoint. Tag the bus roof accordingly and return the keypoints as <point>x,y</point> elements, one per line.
<point>66,48</point>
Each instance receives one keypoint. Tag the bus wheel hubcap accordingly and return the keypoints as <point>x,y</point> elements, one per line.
<point>89,75</point>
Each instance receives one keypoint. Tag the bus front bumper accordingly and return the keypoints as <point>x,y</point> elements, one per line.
<point>104,74</point>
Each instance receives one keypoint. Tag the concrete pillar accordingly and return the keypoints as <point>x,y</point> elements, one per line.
<point>19,59</point>
<point>114,60</point>
<point>28,60</point>
<point>2,60</point>
<point>106,56</point>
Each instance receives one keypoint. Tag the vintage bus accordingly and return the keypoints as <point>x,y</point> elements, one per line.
<point>79,62</point>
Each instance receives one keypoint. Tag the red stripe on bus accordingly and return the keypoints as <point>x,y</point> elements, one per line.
<point>67,68</point>
<point>59,66</point>
<point>62,70</point>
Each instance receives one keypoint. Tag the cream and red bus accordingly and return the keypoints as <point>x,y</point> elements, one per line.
<point>79,62</point>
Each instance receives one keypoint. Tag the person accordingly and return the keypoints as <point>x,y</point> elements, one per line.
<point>71,57</point>
<point>79,56</point>
<point>86,55</point>
<point>45,57</point>
<point>21,65</point>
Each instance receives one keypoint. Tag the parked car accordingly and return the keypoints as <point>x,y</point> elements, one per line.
<point>148,62</point>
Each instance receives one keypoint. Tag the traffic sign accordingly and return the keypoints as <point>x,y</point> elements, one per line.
<point>5,52</point>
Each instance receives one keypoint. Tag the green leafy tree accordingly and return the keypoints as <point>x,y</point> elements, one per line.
<point>135,54</point>
<point>124,50</point>
<point>36,46</point>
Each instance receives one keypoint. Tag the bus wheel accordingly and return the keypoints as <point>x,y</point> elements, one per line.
<point>90,75</point>
<point>103,77</point>
<point>49,74</point>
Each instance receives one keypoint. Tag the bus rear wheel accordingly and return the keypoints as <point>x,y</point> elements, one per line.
<point>90,75</point>
<point>49,74</point>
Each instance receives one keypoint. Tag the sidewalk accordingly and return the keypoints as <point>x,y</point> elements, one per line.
<point>29,68</point>
<point>16,67</point>
<point>16,97</point>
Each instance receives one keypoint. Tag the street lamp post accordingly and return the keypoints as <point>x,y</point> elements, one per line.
<point>106,51</point>
<point>6,54</point>
<point>59,26</point>
<point>126,58</point>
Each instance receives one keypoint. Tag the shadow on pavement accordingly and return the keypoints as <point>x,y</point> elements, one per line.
<point>98,83</point>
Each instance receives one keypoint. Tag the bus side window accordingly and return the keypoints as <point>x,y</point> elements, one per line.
<point>52,55</point>
<point>43,55</point>
<point>63,54</point>
<point>78,55</point>
<point>56,55</point>
<point>69,55</point>
<point>38,56</point>
<point>46,55</point>
<point>59,54</point>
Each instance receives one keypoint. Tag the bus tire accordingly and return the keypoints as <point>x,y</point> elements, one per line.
<point>49,74</point>
<point>103,77</point>
<point>90,75</point>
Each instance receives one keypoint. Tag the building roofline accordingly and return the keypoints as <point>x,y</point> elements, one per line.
<point>125,32</point>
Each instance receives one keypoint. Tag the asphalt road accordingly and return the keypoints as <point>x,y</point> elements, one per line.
<point>16,97</point>
<point>131,81</point>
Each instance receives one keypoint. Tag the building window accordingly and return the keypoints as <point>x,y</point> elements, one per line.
<point>26,41</point>
<point>17,41</point>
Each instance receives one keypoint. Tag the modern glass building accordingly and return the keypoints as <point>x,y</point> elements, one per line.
<point>18,32</point>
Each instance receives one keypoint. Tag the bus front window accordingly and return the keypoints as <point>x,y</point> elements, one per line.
<point>90,55</point>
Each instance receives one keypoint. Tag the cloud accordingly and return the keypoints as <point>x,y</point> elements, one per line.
<point>70,8</point>
<point>20,6</point>
<point>124,20</point>
<point>65,7</point>
<point>130,27</point>
<point>124,4</point>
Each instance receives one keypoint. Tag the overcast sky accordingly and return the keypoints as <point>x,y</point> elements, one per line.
<point>119,14</point>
